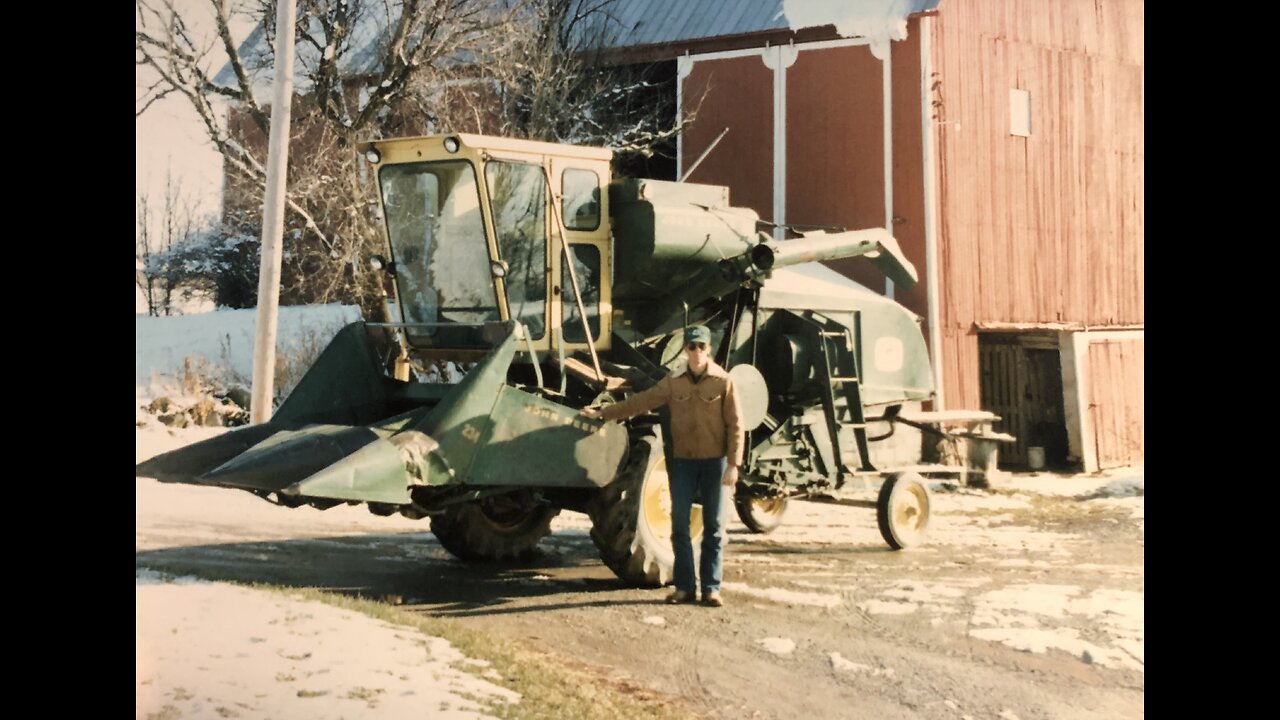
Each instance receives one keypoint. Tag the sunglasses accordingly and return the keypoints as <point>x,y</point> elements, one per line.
<point>695,346</point>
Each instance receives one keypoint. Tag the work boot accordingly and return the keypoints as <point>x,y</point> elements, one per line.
<point>680,597</point>
<point>712,599</point>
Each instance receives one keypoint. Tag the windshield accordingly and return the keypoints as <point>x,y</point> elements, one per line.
<point>438,243</point>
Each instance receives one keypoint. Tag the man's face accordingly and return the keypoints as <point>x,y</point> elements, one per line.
<point>698,353</point>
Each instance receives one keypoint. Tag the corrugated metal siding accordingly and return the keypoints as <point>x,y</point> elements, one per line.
<point>637,23</point>
<point>1117,401</point>
<point>1048,228</point>
<point>650,22</point>
<point>739,96</point>
<point>835,146</point>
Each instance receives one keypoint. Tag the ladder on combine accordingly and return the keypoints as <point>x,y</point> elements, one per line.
<point>838,371</point>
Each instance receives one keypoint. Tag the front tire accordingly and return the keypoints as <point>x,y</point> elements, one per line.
<point>631,519</point>
<point>497,529</point>
<point>759,513</point>
<point>902,510</point>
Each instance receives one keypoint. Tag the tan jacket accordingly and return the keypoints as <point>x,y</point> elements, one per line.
<point>706,421</point>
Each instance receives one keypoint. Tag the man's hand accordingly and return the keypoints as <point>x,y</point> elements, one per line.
<point>730,476</point>
<point>590,413</point>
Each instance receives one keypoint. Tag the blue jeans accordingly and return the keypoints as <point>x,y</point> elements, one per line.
<point>687,477</point>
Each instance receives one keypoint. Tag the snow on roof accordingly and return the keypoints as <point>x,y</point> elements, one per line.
<point>628,24</point>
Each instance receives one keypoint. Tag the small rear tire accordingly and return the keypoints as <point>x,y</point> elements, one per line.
<point>761,514</point>
<point>902,510</point>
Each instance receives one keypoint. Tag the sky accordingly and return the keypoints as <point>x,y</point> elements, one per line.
<point>169,135</point>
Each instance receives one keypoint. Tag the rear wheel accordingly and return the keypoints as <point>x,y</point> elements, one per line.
<point>631,519</point>
<point>902,510</point>
<point>503,528</point>
<point>761,514</point>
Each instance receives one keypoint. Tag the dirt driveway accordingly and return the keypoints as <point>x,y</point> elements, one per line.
<point>1025,603</point>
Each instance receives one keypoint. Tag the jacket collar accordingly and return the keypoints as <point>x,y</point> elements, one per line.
<point>713,370</point>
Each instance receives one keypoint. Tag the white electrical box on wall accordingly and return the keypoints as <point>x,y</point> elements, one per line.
<point>1020,112</point>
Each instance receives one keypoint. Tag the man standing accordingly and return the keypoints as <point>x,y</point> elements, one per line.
<point>706,432</point>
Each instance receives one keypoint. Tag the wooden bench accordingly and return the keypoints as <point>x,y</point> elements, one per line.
<point>968,440</point>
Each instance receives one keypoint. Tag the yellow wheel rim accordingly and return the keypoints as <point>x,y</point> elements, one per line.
<point>911,509</point>
<point>655,505</point>
<point>770,505</point>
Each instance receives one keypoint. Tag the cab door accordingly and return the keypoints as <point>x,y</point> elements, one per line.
<point>580,212</point>
<point>518,198</point>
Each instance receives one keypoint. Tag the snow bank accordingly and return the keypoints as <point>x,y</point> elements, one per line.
<point>225,337</point>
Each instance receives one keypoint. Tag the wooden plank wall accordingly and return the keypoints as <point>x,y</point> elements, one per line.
<point>1046,228</point>
<point>1117,397</point>
<point>1002,395</point>
<point>1022,383</point>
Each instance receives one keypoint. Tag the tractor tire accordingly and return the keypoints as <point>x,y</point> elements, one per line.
<point>902,510</point>
<point>631,518</point>
<point>498,529</point>
<point>761,515</point>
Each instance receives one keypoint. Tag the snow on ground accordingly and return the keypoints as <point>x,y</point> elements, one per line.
<point>1023,616</point>
<point>778,645</point>
<point>214,649</point>
<point>785,597</point>
<point>1026,616</point>
<point>842,664</point>
<point>1041,640</point>
<point>225,338</point>
<point>1114,483</point>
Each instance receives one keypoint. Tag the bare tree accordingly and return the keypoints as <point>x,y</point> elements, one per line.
<point>349,86</point>
<point>158,232</point>
<point>534,69</point>
<point>556,77</point>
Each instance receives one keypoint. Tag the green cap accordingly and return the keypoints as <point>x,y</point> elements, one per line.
<point>697,333</point>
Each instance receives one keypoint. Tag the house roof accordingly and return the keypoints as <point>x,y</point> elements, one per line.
<point>652,29</point>
<point>658,22</point>
<point>256,52</point>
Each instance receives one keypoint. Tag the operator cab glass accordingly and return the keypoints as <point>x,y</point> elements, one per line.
<point>518,196</point>
<point>437,234</point>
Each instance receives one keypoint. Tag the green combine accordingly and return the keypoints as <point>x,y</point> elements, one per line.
<point>547,286</point>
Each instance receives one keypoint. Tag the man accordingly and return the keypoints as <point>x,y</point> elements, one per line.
<point>706,432</point>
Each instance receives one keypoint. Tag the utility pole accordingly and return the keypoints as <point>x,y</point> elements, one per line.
<point>264,343</point>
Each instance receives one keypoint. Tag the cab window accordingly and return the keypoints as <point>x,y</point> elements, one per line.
<point>518,193</point>
<point>581,191</point>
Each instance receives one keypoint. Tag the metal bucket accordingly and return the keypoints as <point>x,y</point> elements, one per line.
<point>1035,458</point>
